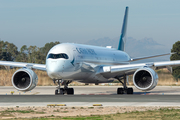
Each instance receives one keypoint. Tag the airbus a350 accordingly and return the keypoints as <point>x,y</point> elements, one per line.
<point>67,62</point>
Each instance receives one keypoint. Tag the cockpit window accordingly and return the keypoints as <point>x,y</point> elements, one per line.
<point>56,56</point>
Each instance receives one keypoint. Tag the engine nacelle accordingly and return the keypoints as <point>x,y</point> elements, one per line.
<point>24,79</point>
<point>145,79</point>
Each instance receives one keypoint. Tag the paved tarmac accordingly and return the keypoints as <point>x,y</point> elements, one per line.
<point>89,95</point>
<point>89,98</point>
<point>91,90</point>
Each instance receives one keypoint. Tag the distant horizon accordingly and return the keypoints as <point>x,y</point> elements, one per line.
<point>89,40</point>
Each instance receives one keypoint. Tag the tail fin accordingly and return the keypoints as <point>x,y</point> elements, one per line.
<point>122,39</point>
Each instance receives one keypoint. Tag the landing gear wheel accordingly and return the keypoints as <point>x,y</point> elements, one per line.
<point>59,91</point>
<point>56,92</point>
<point>130,91</point>
<point>120,91</point>
<point>62,91</point>
<point>125,89</point>
<point>65,90</point>
<point>70,91</point>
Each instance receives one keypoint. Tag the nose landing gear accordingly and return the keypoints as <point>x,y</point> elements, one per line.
<point>65,90</point>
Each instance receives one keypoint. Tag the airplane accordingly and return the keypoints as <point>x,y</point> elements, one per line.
<point>67,62</point>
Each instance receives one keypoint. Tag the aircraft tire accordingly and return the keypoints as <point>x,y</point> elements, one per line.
<point>130,91</point>
<point>70,91</point>
<point>120,91</point>
<point>61,91</point>
<point>56,92</point>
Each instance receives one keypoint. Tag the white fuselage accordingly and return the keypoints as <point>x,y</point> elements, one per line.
<point>70,61</point>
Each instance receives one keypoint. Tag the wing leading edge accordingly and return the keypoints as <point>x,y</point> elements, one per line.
<point>21,64</point>
<point>147,57</point>
<point>131,68</point>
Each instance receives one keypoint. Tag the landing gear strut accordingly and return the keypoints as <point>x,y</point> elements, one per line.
<point>125,89</point>
<point>65,90</point>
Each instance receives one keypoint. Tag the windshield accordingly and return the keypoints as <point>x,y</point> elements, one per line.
<point>56,56</point>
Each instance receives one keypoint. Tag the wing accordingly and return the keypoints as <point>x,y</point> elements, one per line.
<point>146,57</point>
<point>112,71</point>
<point>21,64</point>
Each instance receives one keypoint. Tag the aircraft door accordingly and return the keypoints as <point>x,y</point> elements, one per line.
<point>76,59</point>
<point>114,57</point>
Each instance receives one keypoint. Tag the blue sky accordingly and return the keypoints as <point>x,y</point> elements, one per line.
<point>36,22</point>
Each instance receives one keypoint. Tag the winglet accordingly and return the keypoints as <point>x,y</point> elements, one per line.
<point>122,39</point>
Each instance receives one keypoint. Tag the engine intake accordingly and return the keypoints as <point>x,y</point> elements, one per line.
<point>24,79</point>
<point>145,79</point>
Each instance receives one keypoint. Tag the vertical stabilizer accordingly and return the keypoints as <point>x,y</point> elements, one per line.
<point>122,39</point>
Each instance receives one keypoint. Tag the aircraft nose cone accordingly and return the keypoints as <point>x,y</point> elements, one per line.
<point>53,70</point>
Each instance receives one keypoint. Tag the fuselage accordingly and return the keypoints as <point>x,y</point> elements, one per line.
<point>70,61</point>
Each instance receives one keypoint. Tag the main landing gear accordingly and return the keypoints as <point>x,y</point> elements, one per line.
<point>65,90</point>
<point>125,89</point>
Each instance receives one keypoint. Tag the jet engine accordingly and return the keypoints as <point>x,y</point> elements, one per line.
<point>145,79</point>
<point>24,79</point>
